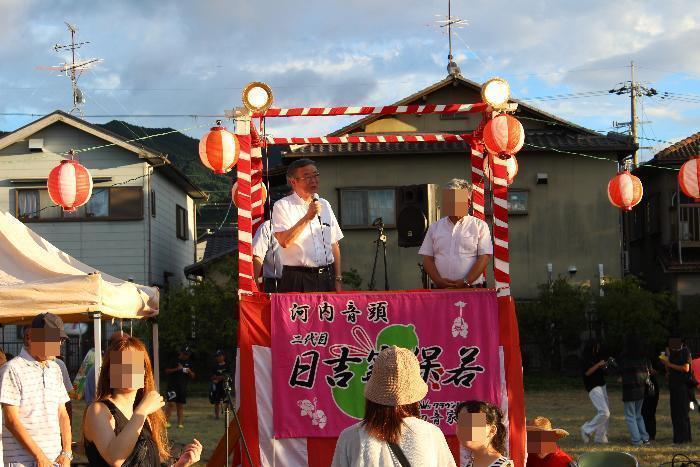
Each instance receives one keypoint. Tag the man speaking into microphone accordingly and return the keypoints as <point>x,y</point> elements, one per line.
<point>308,232</point>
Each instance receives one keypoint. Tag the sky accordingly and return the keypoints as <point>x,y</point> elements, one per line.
<point>193,58</point>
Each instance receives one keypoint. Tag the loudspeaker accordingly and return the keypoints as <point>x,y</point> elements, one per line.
<point>417,208</point>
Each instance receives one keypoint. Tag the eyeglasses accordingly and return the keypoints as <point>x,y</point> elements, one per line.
<point>308,178</point>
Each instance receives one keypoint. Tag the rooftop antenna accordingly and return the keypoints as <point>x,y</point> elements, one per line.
<point>451,22</point>
<point>75,68</point>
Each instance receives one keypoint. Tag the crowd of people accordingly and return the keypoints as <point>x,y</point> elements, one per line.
<point>640,390</point>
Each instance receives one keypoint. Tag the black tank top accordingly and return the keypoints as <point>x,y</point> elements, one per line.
<point>145,453</point>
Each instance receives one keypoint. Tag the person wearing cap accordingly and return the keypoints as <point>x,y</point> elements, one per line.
<point>221,371</point>
<point>542,447</point>
<point>179,373</point>
<point>392,432</point>
<point>37,426</point>
<point>308,232</point>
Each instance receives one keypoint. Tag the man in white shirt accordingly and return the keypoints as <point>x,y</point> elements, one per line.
<point>267,258</point>
<point>457,248</point>
<point>37,430</point>
<point>308,233</point>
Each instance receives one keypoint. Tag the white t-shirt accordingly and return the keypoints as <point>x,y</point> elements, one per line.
<point>455,247</point>
<point>312,248</point>
<point>38,391</point>
<point>266,247</point>
<point>422,443</point>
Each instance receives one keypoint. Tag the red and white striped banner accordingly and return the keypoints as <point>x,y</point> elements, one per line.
<point>427,138</point>
<point>385,110</point>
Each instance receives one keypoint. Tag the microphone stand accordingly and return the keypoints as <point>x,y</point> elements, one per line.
<point>381,239</point>
<point>227,411</point>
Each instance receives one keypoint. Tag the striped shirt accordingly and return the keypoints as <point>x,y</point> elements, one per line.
<point>38,391</point>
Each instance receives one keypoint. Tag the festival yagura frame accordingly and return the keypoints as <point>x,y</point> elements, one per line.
<point>493,145</point>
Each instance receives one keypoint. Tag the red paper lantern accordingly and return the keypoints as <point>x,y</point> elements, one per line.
<point>511,168</point>
<point>69,185</point>
<point>504,134</point>
<point>218,150</point>
<point>236,196</point>
<point>689,179</point>
<point>625,190</point>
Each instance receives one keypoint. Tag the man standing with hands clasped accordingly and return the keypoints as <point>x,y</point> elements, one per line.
<point>37,429</point>
<point>308,232</point>
<point>457,248</point>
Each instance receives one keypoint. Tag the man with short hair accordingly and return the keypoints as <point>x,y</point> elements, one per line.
<point>308,232</point>
<point>457,248</point>
<point>33,397</point>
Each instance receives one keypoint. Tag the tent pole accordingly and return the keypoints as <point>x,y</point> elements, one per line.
<point>97,322</point>
<point>156,353</point>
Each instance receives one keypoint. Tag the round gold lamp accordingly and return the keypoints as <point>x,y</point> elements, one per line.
<point>257,97</point>
<point>496,92</point>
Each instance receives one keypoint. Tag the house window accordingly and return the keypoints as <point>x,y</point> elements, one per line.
<point>360,207</point>
<point>109,203</point>
<point>98,205</point>
<point>181,222</point>
<point>517,202</point>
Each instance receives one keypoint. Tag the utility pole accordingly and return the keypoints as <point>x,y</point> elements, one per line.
<point>633,113</point>
<point>635,90</point>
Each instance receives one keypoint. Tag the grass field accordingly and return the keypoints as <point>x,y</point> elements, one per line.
<point>568,408</point>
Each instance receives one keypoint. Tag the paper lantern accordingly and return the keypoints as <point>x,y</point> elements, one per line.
<point>69,185</point>
<point>625,190</point>
<point>511,168</point>
<point>236,196</point>
<point>218,149</point>
<point>504,135</point>
<point>689,179</point>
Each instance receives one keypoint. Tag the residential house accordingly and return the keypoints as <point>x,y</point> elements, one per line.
<point>560,219</point>
<point>662,232</point>
<point>140,221</point>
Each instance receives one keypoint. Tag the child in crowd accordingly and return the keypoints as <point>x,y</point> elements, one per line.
<point>221,371</point>
<point>480,429</point>
<point>542,446</point>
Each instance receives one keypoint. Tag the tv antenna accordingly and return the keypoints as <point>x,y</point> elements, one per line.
<point>75,68</point>
<point>451,22</point>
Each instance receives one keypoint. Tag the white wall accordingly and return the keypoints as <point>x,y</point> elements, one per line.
<point>168,252</point>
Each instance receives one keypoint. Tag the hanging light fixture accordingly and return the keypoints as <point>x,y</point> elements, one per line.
<point>689,178</point>
<point>496,92</point>
<point>219,149</point>
<point>625,190</point>
<point>69,185</point>
<point>504,135</point>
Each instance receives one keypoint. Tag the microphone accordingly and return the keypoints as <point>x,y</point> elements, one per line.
<point>318,216</point>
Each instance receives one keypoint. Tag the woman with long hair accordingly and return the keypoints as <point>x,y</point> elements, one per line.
<point>392,432</point>
<point>480,429</point>
<point>125,425</point>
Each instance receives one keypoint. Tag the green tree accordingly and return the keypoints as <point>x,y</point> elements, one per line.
<point>628,308</point>
<point>556,319</point>
<point>203,316</point>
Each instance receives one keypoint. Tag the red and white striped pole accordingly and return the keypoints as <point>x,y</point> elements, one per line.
<point>367,110</point>
<point>246,282</point>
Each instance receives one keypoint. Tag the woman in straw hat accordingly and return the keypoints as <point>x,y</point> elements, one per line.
<point>542,446</point>
<point>392,433</point>
<point>480,429</point>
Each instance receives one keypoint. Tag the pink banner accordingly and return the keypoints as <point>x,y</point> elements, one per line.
<point>323,346</point>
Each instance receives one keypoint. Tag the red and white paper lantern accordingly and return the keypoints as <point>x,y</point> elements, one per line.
<point>511,167</point>
<point>219,149</point>
<point>504,135</point>
<point>69,185</point>
<point>689,179</point>
<point>625,190</point>
<point>236,196</point>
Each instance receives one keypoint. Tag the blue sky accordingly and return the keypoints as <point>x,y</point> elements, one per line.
<point>194,57</point>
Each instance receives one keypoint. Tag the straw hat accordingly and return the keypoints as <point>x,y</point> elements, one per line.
<point>396,378</point>
<point>544,424</point>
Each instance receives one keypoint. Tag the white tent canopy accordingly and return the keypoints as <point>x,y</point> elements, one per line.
<point>37,277</point>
